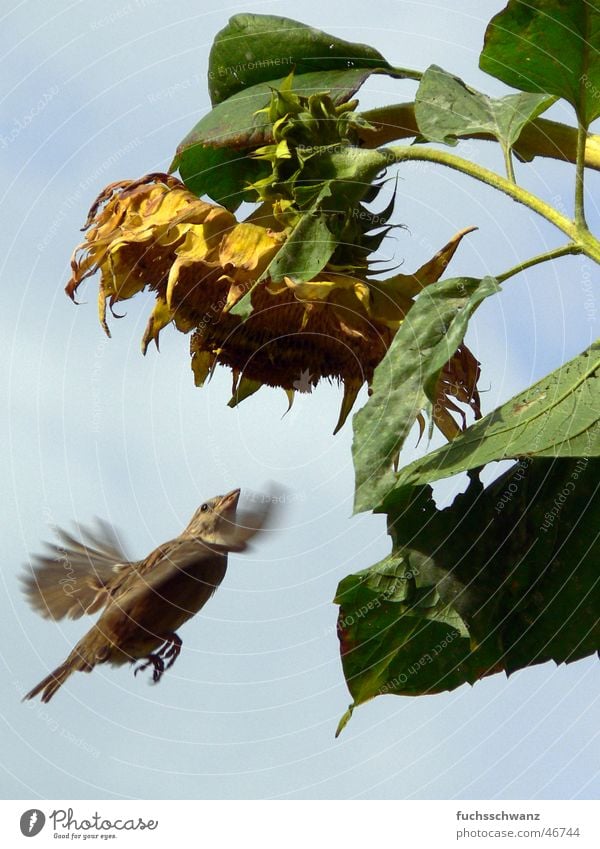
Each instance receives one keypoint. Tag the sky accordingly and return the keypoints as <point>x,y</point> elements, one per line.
<point>97,93</point>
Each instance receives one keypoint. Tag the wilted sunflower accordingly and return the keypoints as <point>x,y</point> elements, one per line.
<point>200,261</point>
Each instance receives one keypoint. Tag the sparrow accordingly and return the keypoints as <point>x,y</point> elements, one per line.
<point>143,602</point>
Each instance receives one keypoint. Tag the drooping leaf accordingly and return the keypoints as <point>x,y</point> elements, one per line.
<point>505,578</point>
<point>388,628</point>
<point>406,378</point>
<point>517,559</point>
<point>559,416</point>
<point>446,109</point>
<point>550,46</point>
<point>254,49</point>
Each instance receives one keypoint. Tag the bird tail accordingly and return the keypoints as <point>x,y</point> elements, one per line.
<point>48,687</point>
<point>51,683</point>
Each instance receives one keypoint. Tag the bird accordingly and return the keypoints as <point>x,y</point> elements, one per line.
<point>143,602</point>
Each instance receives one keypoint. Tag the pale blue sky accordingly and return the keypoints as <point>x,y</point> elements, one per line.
<point>95,94</point>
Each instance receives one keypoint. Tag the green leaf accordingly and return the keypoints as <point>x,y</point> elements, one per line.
<point>446,108</point>
<point>559,416</point>
<point>552,608</point>
<point>217,147</point>
<point>334,181</point>
<point>304,253</point>
<point>219,172</point>
<point>550,46</point>
<point>255,49</point>
<point>241,122</point>
<point>505,578</point>
<point>382,635</point>
<point>406,377</point>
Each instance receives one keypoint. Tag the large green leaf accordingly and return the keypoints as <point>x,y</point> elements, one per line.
<point>404,380</point>
<point>254,49</point>
<point>518,560</point>
<point>212,159</point>
<point>241,122</point>
<point>250,57</point>
<point>550,46</point>
<point>392,626</point>
<point>446,108</point>
<point>505,578</point>
<point>559,416</point>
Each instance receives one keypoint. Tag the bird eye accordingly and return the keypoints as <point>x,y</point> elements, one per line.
<point>204,508</point>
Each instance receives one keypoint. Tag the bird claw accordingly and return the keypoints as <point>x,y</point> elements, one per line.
<point>155,661</point>
<point>169,651</point>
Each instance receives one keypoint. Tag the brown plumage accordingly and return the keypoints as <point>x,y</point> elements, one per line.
<point>143,602</point>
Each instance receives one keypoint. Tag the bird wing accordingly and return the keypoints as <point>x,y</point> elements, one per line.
<point>237,535</point>
<point>187,564</point>
<point>183,574</point>
<point>76,576</point>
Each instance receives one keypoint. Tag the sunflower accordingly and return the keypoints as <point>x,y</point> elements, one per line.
<point>200,261</point>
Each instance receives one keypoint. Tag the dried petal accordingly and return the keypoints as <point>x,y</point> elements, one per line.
<point>153,233</point>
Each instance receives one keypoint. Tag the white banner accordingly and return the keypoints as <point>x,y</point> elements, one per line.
<point>300,824</point>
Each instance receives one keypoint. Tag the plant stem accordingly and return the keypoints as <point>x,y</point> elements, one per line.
<point>510,171</point>
<point>579,235</point>
<point>565,250</point>
<point>579,176</point>
<point>408,74</point>
<point>540,137</point>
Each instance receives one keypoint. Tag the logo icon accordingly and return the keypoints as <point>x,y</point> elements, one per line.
<point>32,822</point>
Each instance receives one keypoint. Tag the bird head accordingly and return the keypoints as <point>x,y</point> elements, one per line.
<point>214,520</point>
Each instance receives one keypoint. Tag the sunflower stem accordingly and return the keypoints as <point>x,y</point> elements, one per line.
<point>539,137</point>
<point>578,233</point>
<point>579,176</point>
<point>564,250</point>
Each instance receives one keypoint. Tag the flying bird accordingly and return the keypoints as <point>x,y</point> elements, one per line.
<point>143,602</point>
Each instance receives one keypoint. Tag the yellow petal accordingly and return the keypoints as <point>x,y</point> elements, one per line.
<point>160,316</point>
<point>102,310</point>
<point>243,390</point>
<point>203,366</point>
<point>445,422</point>
<point>321,289</point>
<point>235,293</point>
<point>351,390</point>
<point>409,285</point>
<point>249,247</point>
<point>194,250</point>
<point>275,288</point>
<point>290,396</point>
<point>433,270</point>
<point>314,290</point>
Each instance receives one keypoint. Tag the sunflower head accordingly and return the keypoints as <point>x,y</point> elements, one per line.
<point>200,263</point>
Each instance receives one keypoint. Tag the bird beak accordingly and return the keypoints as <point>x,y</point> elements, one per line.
<point>229,501</point>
